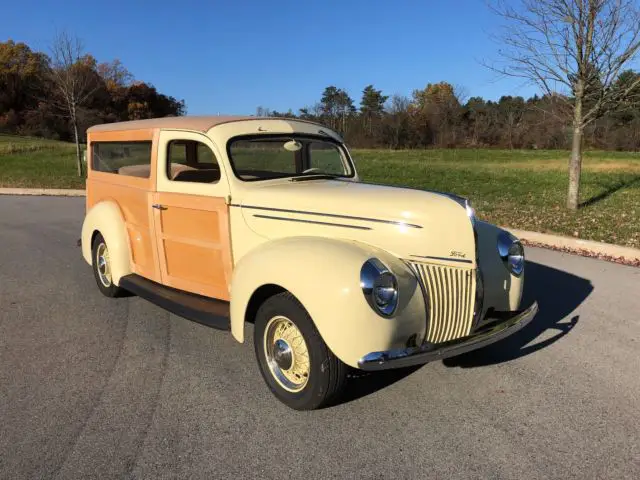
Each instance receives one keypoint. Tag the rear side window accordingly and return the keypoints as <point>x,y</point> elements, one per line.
<point>191,161</point>
<point>122,158</point>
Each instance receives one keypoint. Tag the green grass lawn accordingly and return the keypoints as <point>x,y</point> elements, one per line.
<point>521,189</point>
<point>524,189</point>
<point>34,162</point>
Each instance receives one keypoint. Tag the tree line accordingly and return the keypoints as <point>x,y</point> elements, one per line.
<point>577,53</point>
<point>438,115</point>
<point>441,115</point>
<point>57,94</point>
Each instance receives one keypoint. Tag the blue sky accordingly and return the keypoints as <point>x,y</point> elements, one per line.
<point>232,56</point>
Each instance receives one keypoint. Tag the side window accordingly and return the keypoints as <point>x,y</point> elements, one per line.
<point>122,158</point>
<point>177,153</point>
<point>191,161</point>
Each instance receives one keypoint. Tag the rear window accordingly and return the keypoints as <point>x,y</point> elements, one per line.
<point>122,158</point>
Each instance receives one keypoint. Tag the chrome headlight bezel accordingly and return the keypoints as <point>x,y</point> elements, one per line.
<point>511,252</point>
<point>380,287</point>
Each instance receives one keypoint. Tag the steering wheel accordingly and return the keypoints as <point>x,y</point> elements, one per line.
<point>309,170</point>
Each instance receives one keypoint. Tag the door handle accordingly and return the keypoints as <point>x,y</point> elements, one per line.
<point>158,206</point>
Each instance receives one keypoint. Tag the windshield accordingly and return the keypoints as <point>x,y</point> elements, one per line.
<point>263,158</point>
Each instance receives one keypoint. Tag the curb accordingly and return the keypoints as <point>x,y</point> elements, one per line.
<point>54,192</point>
<point>589,248</point>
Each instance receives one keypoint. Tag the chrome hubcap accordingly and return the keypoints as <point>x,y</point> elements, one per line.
<point>287,354</point>
<point>102,262</point>
<point>282,354</point>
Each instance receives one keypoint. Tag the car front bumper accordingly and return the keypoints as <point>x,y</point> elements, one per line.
<point>500,325</point>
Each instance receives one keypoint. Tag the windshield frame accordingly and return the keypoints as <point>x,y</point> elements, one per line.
<point>293,135</point>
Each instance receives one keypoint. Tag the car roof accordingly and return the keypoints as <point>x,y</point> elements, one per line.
<point>191,122</point>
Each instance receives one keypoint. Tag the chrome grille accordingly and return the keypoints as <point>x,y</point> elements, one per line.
<point>450,292</point>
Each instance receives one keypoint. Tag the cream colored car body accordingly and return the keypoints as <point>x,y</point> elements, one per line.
<point>310,238</point>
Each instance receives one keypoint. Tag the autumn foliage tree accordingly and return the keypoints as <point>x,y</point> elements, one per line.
<point>21,77</point>
<point>436,109</point>
<point>61,95</point>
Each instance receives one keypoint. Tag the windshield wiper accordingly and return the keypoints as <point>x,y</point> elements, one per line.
<point>314,176</point>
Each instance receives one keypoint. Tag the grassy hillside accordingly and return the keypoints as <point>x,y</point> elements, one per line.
<point>521,189</point>
<point>34,162</point>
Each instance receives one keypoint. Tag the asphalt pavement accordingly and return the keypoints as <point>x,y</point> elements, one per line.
<point>92,387</point>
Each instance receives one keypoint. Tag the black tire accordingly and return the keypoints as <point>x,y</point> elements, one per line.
<point>108,289</point>
<point>327,374</point>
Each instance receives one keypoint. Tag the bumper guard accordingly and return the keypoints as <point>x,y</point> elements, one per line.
<point>499,326</point>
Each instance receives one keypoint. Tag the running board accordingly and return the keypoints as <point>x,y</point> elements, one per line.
<point>207,311</point>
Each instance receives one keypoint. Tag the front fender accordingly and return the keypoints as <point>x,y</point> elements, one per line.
<point>502,290</point>
<point>105,217</point>
<point>324,275</point>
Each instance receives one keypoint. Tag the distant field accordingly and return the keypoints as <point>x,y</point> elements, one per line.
<point>33,162</point>
<point>521,189</point>
<point>524,189</point>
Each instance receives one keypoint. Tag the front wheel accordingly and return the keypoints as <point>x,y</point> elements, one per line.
<point>296,364</point>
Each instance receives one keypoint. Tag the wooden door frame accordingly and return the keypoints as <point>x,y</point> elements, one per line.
<point>200,197</point>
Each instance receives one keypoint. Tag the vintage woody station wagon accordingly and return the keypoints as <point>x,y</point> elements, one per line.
<point>235,220</point>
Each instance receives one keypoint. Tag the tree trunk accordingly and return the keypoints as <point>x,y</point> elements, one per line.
<point>77,139</point>
<point>575,164</point>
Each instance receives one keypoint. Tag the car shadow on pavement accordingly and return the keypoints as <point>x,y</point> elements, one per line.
<point>361,383</point>
<point>558,294</point>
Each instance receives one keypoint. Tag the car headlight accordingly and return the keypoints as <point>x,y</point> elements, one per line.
<point>379,286</point>
<point>512,253</point>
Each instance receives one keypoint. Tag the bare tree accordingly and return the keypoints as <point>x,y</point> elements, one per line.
<point>73,81</point>
<point>574,50</point>
<point>397,118</point>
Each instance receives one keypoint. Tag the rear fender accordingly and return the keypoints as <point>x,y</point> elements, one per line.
<point>105,217</point>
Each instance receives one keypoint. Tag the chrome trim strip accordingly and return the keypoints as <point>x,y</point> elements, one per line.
<point>506,323</point>
<point>461,260</point>
<point>333,215</point>
<point>312,221</point>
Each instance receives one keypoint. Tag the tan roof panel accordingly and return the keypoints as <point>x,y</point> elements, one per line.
<point>200,123</point>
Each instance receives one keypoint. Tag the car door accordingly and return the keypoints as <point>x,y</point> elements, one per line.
<point>191,215</point>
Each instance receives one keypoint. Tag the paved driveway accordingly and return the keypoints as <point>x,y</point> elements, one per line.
<point>97,388</point>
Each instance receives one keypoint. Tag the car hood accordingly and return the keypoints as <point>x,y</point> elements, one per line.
<point>410,223</point>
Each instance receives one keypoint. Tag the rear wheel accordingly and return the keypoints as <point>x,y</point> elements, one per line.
<point>102,268</point>
<point>296,364</point>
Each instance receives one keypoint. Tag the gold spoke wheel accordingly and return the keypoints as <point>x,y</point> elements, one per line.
<point>287,354</point>
<point>103,265</point>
